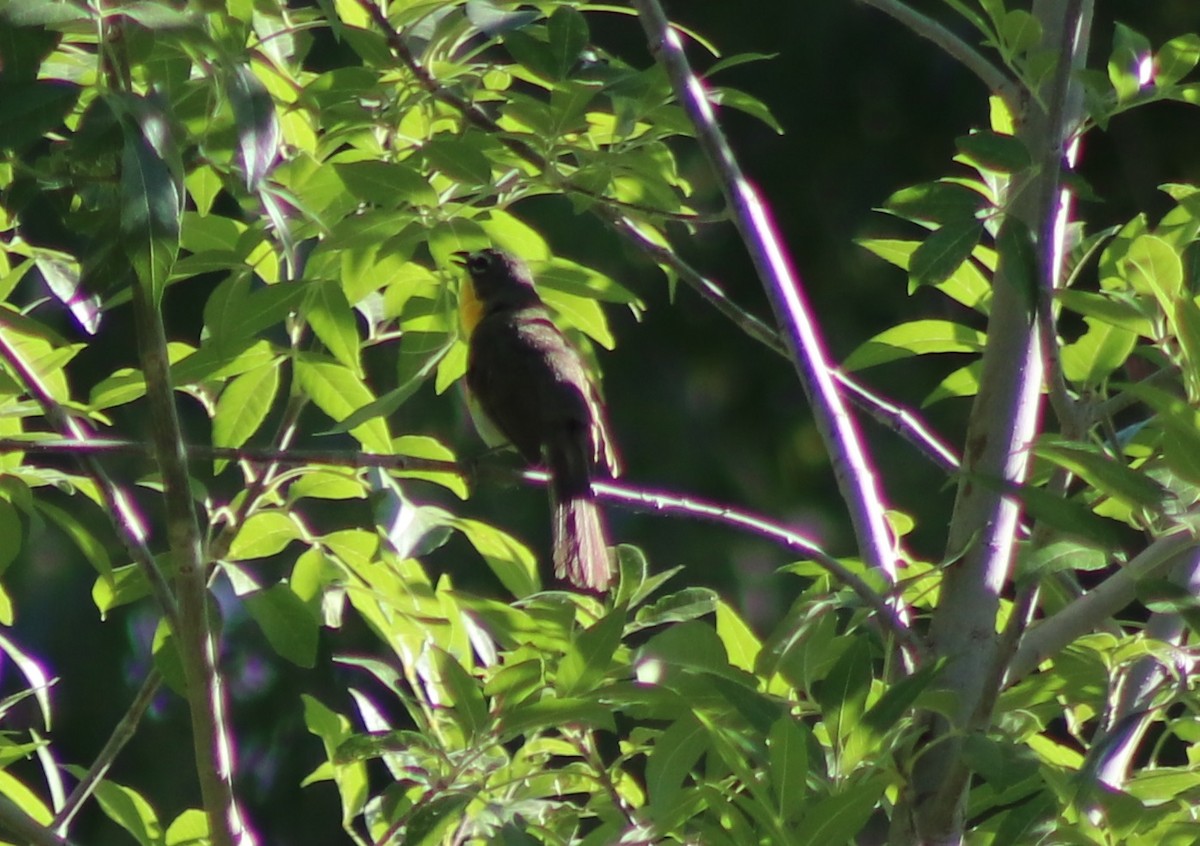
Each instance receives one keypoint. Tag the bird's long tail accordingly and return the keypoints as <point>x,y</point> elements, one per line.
<point>580,542</point>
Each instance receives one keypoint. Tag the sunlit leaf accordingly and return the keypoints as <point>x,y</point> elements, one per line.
<point>288,623</point>
<point>920,337</point>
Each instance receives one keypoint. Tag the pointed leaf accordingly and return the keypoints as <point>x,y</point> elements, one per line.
<point>288,623</point>
<point>944,251</point>
<point>919,337</point>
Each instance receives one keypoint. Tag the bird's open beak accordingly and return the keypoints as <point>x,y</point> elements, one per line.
<point>460,258</point>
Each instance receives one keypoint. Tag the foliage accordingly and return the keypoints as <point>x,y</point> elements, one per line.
<point>304,175</point>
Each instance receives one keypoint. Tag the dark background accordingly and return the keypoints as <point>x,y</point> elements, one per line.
<point>698,408</point>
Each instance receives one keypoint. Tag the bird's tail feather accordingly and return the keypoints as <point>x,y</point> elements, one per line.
<point>580,543</point>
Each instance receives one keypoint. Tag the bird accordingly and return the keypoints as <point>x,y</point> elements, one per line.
<point>533,386</point>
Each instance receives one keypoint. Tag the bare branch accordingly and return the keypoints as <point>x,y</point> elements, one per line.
<point>1088,612</point>
<point>851,464</point>
<point>125,520</point>
<point>122,733</point>
<point>970,58</point>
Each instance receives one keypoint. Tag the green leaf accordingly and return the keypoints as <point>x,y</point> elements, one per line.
<point>1019,261</point>
<point>335,390</point>
<point>672,757</point>
<point>511,561</point>
<point>737,60</point>
<point>1152,266</point>
<point>462,692</point>
<point>1103,473</point>
<point>582,313</point>
<point>896,701</point>
<point>288,623</point>
<point>328,483</point>
<point>986,150</point>
<point>967,285</point>
<point>734,99</point>
<point>458,159</point>
<point>387,184</point>
<point>234,312</point>
<point>1176,59</point>
<point>1059,556</point>
<point>742,645</point>
<point>937,202</point>
<point>534,717</point>
<point>128,809</point>
<point>842,695</point>
<point>691,645</point>
<point>332,320</point>
<point>494,20</point>
<point>590,654</point>
<point>264,534</point>
<point>431,822</point>
<point>1180,424</point>
<point>1109,307</point>
<point>1065,515</point>
<point>1091,358</point>
<point>422,446</point>
<point>333,729</point>
<point>920,337</point>
<point>568,33</point>
<point>787,764</point>
<point>532,54</point>
<point>188,829</point>
<point>243,406</point>
<point>1129,48</point>
<point>257,123</point>
<point>943,252</point>
<point>150,212</point>
<point>1020,31</point>
<point>29,108</point>
<point>10,530</point>
<point>838,818</point>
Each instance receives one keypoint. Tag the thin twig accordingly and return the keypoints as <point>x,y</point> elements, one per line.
<point>851,464</point>
<point>1049,636</point>
<point>970,58</point>
<point>621,495</point>
<point>660,502</point>
<point>122,733</point>
<point>125,520</point>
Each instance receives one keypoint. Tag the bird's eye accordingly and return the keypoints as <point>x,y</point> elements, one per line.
<point>478,262</point>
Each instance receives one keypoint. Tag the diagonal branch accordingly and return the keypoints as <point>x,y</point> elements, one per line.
<point>970,58</point>
<point>117,503</point>
<point>851,464</point>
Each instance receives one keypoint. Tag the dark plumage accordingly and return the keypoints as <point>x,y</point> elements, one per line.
<point>533,386</point>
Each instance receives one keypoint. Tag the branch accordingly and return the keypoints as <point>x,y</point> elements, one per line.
<point>14,819</point>
<point>970,58</point>
<point>1117,741</point>
<point>122,733</point>
<point>1003,423</point>
<point>120,509</point>
<point>895,418</point>
<point>622,495</point>
<point>661,502</point>
<point>1048,637</point>
<point>194,641</point>
<point>851,464</point>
